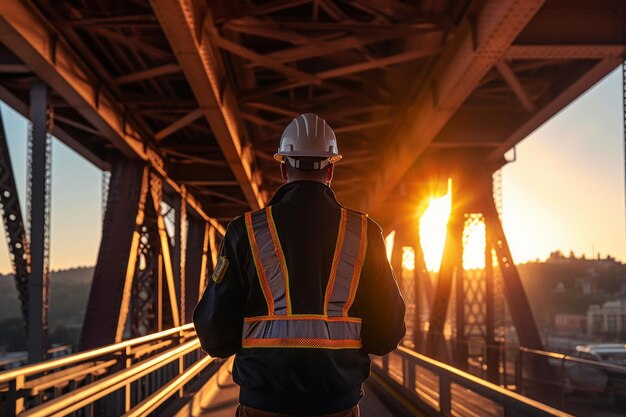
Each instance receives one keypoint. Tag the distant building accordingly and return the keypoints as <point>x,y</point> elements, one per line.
<point>559,289</point>
<point>570,323</point>
<point>610,318</point>
<point>587,285</point>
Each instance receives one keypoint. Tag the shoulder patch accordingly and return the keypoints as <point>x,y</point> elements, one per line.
<point>220,269</point>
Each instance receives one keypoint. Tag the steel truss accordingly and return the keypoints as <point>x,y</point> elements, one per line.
<point>470,300</point>
<point>145,277</point>
<point>19,250</point>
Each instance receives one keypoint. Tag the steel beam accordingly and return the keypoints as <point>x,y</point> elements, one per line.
<point>517,87</point>
<point>187,172</point>
<point>33,39</point>
<point>179,124</point>
<point>22,108</point>
<point>569,52</point>
<point>107,308</point>
<point>38,285</point>
<point>481,40</point>
<point>367,65</point>
<point>519,306</point>
<point>187,25</point>
<point>180,243</point>
<point>14,224</point>
<point>147,74</point>
<point>195,264</point>
<point>182,232</point>
<point>156,190</point>
<point>574,90</point>
<point>314,48</point>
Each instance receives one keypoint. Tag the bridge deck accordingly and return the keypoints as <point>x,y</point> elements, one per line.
<point>222,395</point>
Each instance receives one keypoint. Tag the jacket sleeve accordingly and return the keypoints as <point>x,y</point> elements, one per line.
<point>218,317</point>
<point>378,298</point>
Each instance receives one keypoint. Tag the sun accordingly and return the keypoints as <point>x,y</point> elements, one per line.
<point>433,224</point>
<point>433,229</point>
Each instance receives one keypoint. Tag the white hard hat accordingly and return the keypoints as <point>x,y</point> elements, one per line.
<point>308,135</point>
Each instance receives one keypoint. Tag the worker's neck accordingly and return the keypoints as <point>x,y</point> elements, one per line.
<point>290,180</point>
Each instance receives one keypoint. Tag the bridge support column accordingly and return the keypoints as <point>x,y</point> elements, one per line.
<point>39,187</point>
<point>195,264</point>
<point>107,309</point>
<point>476,298</point>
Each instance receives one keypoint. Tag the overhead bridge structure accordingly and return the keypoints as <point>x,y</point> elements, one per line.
<point>181,103</point>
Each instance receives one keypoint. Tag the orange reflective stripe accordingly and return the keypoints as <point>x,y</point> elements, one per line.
<point>303,317</point>
<point>356,274</point>
<point>265,287</point>
<point>336,256</point>
<point>302,343</point>
<point>279,254</point>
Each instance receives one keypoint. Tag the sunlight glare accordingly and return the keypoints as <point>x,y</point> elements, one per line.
<point>408,258</point>
<point>433,225</point>
<point>474,243</point>
<point>389,244</point>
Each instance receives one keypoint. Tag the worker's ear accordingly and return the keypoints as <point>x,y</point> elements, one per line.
<point>329,173</point>
<point>283,171</point>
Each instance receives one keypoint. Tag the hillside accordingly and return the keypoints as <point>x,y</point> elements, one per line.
<point>69,291</point>
<point>556,286</point>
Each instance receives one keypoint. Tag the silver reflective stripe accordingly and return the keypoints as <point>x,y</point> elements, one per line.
<point>302,329</point>
<point>269,261</point>
<point>349,266</point>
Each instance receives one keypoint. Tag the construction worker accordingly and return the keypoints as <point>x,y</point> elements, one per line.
<point>302,291</point>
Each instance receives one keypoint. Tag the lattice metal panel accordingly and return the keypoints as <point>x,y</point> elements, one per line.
<point>106,183</point>
<point>144,300</point>
<point>474,282</point>
<point>497,191</point>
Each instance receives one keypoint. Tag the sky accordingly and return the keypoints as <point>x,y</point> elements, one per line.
<point>565,190</point>
<point>76,199</point>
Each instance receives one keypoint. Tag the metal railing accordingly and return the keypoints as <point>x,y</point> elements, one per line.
<point>440,389</point>
<point>134,377</point>
<point>22,358</point>
<point>595,376</point>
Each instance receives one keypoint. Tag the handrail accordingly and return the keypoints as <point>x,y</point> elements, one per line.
<point>55,363</point>
<point>565,357</point>
<point>83,396</point>
<point>152,402</point>
<point>448,374</point>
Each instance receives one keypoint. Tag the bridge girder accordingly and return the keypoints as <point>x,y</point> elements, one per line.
<point>481,41</point>
<point>33,39</point>
<point>188,27</point>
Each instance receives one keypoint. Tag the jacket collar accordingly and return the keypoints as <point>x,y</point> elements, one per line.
<point>305,190</point>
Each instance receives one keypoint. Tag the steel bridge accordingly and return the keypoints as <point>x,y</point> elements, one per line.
<point>183,101</point>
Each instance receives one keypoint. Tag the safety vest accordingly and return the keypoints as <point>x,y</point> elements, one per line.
<point>280,327</point>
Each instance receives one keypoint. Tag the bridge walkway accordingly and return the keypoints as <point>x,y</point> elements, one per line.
<point>221,398</point>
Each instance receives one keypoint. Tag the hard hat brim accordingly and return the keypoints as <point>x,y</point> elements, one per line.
<point>280,156</point>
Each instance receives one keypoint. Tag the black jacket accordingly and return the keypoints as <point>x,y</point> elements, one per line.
<point>293,380</point>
